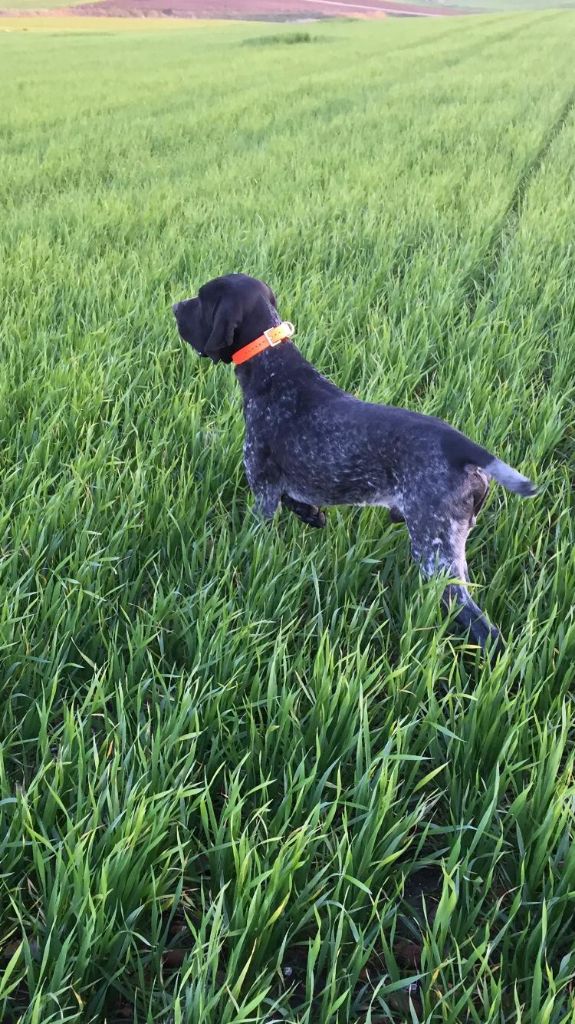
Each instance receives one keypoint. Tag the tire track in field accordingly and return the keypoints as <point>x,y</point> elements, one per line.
<point>346,102</point>
<point>446,60</point>
<point>338,103</point>
<point>452,60</point>
<point>171,105</point>
<point>453,32</point>
<point>481,282</point>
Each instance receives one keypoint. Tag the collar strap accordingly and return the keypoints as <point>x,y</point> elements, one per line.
<point>269,339</point>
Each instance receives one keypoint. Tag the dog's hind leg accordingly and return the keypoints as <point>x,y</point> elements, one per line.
<point>470,616</point>
<point>438,532</point>
<point>479,489</point>
<point>310,514</point>
<point>439,555</point>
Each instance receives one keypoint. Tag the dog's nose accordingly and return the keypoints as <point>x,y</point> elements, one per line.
<point>176,307</point>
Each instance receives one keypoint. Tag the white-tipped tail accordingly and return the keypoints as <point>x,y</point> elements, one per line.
<point>510,478</point>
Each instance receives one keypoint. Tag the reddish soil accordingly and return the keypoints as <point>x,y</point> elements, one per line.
<point>254,10</point>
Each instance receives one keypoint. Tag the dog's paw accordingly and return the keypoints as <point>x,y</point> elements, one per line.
<point>395,515</point>
<point>318,519</point>
<point>311,515</point>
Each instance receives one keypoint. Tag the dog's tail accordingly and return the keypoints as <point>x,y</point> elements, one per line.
<point>510,478</point>
<point>462,450</point>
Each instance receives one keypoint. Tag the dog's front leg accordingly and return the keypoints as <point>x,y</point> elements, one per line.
<point>267,499</point>
<point>264,479</point>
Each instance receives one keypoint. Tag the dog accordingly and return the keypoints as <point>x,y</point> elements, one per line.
<point>308,444</point>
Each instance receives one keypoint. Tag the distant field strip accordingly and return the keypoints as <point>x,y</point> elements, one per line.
<point>247,772</point>
<point>505,6</point>
<point>288,9</point>
<point>34,5</point>
<point>60,25</point>
<point>367,7</point>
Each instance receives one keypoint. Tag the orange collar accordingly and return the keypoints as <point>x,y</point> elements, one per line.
<point>269,339</point>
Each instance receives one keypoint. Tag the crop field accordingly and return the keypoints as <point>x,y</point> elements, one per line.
<point>94,27</point>
<point>32,5</point>
<point>250,773</point>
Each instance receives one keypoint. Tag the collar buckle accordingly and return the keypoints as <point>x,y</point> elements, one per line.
<point>269,339</point>
<point>275,335</point>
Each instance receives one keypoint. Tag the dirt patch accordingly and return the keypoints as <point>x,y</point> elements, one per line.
<point>250,10</point>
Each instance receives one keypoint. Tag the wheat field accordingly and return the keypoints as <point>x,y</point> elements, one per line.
<point>249,773</point>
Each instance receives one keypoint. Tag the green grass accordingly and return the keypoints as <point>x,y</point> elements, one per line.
<point>247,773</point>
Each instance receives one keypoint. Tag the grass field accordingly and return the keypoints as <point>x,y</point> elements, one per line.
<point>247,773</point>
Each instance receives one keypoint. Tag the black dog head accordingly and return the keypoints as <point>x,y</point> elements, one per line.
<point>227,314</point>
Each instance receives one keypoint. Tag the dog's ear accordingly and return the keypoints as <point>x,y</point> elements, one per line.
<point>225,320</point>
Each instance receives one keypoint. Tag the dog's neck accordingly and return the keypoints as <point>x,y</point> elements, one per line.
<point>269,365</point>
<point>271,361</point>
<point>259,319</point>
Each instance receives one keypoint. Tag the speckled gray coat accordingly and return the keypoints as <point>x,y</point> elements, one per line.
<point>308,444</point>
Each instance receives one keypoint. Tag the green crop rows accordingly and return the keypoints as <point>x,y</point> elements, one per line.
<point>249,773</point>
